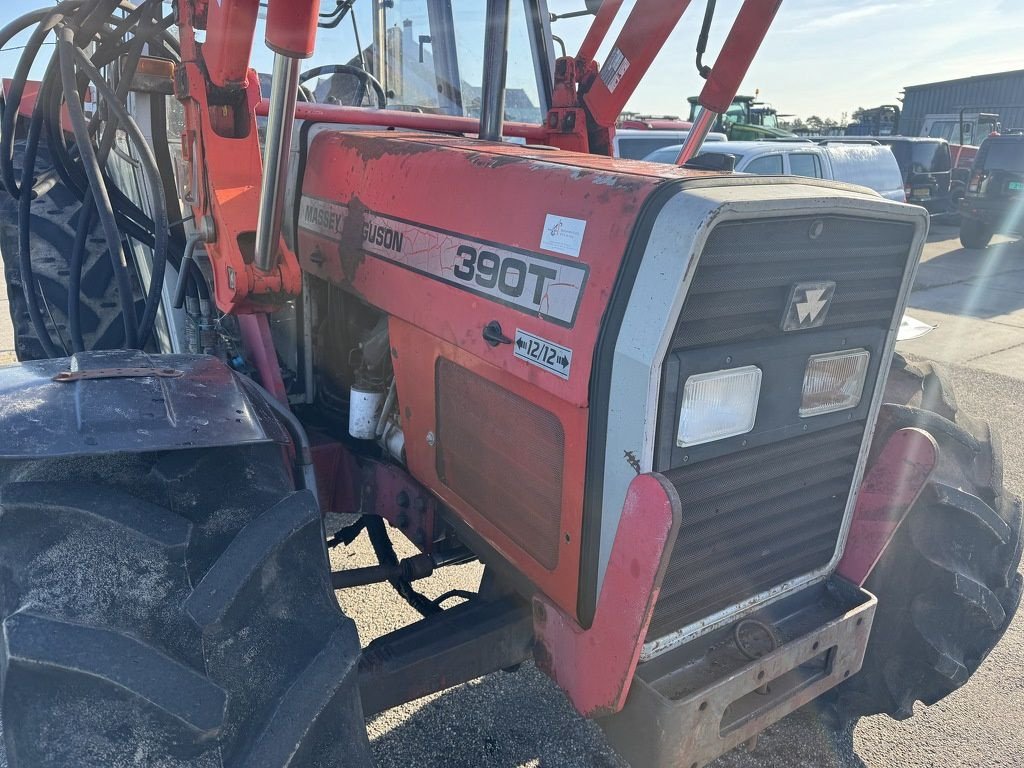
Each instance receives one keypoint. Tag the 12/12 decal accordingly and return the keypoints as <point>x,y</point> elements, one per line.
<point>552,357</point>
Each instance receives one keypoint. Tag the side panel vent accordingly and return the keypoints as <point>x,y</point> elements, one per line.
<point>504,456</point>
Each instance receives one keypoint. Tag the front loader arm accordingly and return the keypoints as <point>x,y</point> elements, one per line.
<point>223,169</point>
<point>605,91</point>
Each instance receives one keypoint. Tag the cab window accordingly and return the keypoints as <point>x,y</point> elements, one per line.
<point>805,164</point>
<point>942,129</point>
<point>769,165</point>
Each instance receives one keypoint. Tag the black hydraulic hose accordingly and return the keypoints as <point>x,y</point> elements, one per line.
<point>83,175</point>
<point>202,287</point>
<point>97,17</point>
<point>185,270</point>
<point>17,89</point>
<point>63,157</point>
<point>385,552</point>
<point>88,208</point>
<point>305,469</point>
<point>158,115</point>
<point>161,228</point>
<point>130,217</point>
<point>86,220</point>
<point>28,282</point>
<point>702,41</point>
<point>66,51</point>
<point>44,19</point>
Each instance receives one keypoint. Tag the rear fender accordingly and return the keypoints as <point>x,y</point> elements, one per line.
<point>105,402</point>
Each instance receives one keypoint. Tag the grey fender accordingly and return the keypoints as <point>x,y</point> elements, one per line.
<point>195,402</point>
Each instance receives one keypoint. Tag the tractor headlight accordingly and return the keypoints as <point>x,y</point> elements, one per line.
<point>834,381</point>
<point>719,404</point>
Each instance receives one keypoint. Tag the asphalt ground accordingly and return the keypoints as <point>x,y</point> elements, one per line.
<point>976,300</point>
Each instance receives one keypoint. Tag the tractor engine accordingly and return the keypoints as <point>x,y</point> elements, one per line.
<point>559,324</point>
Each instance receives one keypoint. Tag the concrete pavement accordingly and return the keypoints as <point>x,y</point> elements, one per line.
<point>976,300</point>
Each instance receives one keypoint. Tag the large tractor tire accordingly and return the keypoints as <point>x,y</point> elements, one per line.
<point>947,585</point>
<point>54,221</point>
<point>171,610</point>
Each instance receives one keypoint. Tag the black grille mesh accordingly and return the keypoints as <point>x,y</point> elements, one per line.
<point>753,520</point>
<point>757,518</point>
<point>742,284</point>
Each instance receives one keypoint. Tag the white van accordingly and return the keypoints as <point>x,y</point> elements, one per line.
<point>869,165</point>
<point>636,143</point>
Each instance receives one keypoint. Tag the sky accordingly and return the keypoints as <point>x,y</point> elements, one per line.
<point>827,57</point>
<point>822,57</point>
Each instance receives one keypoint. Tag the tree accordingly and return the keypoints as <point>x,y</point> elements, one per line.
<point>814,123</point>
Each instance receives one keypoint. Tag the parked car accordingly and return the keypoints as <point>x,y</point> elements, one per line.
<point>995,192</point>
<point>926,165</point>
<point>869,165</point>
<point>637,143</point>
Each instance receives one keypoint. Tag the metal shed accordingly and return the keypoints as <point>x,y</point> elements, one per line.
<point>1001,92</point>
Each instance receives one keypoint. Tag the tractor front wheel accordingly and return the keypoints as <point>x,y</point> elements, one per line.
<point>947,584</point>
<point>171,609</point>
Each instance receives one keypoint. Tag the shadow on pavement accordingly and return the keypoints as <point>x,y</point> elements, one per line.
<point>982,283</point>
<point>516,719</point>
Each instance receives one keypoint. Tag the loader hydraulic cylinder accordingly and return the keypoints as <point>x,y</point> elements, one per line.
<point>291,32</point>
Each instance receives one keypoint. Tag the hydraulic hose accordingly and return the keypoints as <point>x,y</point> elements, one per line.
<point>86,220</point>
<point>66,51</point>
<point>49,20</point>
<point>88,210</point>
<point>119,29</point>
<point>161,222</point>
<point>28,282</point>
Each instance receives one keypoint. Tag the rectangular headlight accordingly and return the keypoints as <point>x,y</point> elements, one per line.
<point>719,404</point>
<point>834,381</point>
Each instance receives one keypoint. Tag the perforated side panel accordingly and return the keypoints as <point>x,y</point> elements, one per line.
<point>503,455</point>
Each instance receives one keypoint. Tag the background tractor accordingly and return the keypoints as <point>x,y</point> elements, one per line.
<point>409,286</point>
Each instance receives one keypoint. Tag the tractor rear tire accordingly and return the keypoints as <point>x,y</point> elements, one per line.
<point>54,221</point>
<point>171,609</point>
<point>947,585</point>
<point>974,234</point>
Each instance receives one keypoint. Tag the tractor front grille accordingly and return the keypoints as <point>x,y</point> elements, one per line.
<point>765,508</point>
<point>753,520</point>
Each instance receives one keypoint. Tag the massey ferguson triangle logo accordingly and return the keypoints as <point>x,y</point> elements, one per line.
<point>808,305</point>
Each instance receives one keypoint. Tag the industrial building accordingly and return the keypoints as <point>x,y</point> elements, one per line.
<point>1001,92</point>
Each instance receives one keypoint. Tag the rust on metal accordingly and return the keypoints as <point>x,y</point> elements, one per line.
<point>698,702</point>
<point>891,486</point>
<point>117,373</point>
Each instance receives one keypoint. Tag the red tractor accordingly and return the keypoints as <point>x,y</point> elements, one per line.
<point>660,405</point>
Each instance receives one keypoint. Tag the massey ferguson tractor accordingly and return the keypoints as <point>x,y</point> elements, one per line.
<point>411,291</point>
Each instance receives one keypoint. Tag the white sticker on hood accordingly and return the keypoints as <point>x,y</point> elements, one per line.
<point>563,235</point>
